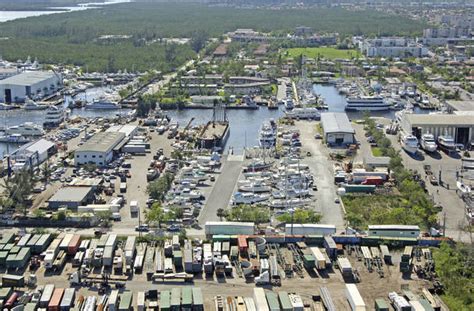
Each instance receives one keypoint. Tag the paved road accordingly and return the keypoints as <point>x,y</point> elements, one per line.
<point>155,87</point>
<point>223,189</point>
<point>321,167</point>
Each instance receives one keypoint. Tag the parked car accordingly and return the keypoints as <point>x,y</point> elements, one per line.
<point>142,228</point>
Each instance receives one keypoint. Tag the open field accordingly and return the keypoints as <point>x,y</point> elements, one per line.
<point>321,52</point>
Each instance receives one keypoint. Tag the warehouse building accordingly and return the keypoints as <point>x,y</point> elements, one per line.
<point>128,129</point>
<point>337,128</point>
<point>459,126</point>
<point>99,149</point>
<point>34,153</point>
<point>71,197</point>
<point>32,84</point>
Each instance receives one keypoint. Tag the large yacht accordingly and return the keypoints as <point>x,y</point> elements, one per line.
<point>268,134</point>
<point>446,143</point>
<point>410,143</point>
<point>428,142</point>
<point>54,116</point>
<point>27,129</point>
<point>102,104</point>
<point>371,103</point>
<point>303,113</point>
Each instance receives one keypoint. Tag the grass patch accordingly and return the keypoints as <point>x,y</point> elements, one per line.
<point>377,152</point>
<point>321,52</point>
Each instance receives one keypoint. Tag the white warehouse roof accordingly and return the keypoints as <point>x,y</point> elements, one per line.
<point>393,227</point>
<point>336,122</point>
<point>29,78</point>
<point>102,142</point>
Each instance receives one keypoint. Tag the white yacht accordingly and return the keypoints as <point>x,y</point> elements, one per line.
<point>254,187</point>
<point>27,129</point>
<point>32,105</point>
<point>370,103</point>
<point>102,104</point>
<point>409,143</point>
<point>293,193</point>
<point>290,203</point>
<point>268,134</point>
<point>289,104</point>
<point>4,106</point>
<point>428,142</point>
<point>14,139</point>
<point>249,198</point>
<point>446,143</point>
<point>54,116</point>
<point>303,113</point>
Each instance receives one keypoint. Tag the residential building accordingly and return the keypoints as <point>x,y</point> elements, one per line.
<point>392,47</point>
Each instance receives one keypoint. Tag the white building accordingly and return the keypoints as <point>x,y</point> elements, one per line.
<point>99,149</point>
<point>128,129</point>
<point>337,128</point>
<point>392,47</point>
<point>33,154</point>
<point>6,72</point>
<point>32,84</point>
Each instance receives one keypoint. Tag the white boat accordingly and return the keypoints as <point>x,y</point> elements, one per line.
<point>14,139</point>
<point>289,104</point>
<point>293,193</point>
<point>268,134</point>
<point>410,143</point>
<point>5,106</point>
<point>249,198</point>
<point>463,188</point>
<point>54,116</point>
<point>255,186</point>
<point>446,143</point>
<point>102,104</point>
<point>191,194</point>
<point>428,143</point>
<point>31,105</point>
<point>370,103</point>
<point>27,129</point>
<point>290,203</point>
<point>303,113</point>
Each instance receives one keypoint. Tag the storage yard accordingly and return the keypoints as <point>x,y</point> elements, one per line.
<point>320,272</point>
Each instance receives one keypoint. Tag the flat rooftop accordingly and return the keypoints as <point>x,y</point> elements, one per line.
<point>440,119</point>
<point>102,142</point>
<point>28,78</point>
<point>336,122</point>
<point>461,105</point>
<point>71,194</point>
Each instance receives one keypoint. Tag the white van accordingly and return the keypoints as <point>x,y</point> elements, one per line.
<point>134,206</point>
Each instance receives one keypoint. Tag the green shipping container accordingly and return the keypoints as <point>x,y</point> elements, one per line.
<point>14,250</point>
<point>165,300</point>
<point>7,238</point>
<point>272,300</point>
<point>3,258</point>
<point>309,261</point>
<point>198,303</point>
<point>175,299</point>
<point>285,301</point>
<point>126,301</point>
<point>381,305</point>
<point>426,304</point>
<point>186,297</point>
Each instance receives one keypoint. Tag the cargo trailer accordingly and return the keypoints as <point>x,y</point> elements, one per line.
<point>84,245</point>
<point>344,266</point>
<point>399,303</point>
<point>327,299</point>
<point>330,246</point>
<point>32,242</point>
<point>51,253</point>
<point>7,238</point>
<point>186,298</point>
<point>46,295</point>
<point>296,302</point>
<point>272,300</point>
<point>113,300</point>
<point>130,248</point>
<point>65,241</point>
<point>260,299</point>
<point>141,301</point>
<point>24,240</point>
<point>125,301</point>
<point>54,303</point>
<point>74,244</point>
<point>108,256</point>
<point>285,302</point>
<point>102,241</point>
<point>111,240</point>
<point>355,299</point>
<point>227,227</point>
<point>165,300</point>
<point>41,244</point>
<point>387,258</point>
<point>188,260</point>
<point>381,305</point>
<point>77,260</point>
<point>198,302</point>
<point>320,261</point>
<point>178,260</point>
<point>175,299</point>
<point>11,280</point>
<point>68,299</point>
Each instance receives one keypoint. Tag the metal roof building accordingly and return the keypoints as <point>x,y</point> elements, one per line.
<point>98,149</point>
<point>70,197</point>
<point>337,128</point>
<point>29,84</point>
<point>459,126</point>
<point>34,153</point>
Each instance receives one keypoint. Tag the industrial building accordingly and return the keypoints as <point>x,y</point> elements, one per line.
<point>32,84</point>
<point>128,129</point>
<point>71,197</point>
<point>99,149</point>
<point>459,126</point>
<point>400,231</point>
<point>337,128</point>
<point>34,153</point>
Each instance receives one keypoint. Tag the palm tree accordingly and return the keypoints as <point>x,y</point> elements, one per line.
<point>46,172</point>
<point>221,213</point>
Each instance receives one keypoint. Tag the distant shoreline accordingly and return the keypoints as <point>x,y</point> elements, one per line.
<point>23,9</point>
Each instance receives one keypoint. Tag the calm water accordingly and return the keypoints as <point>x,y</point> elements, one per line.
<point>12,15</point>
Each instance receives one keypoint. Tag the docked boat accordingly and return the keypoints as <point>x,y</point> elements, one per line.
<point>289,194</point>
<point>446,143</point>
<point>14,139</point>
<point>289,104</point>
<point>5,106</point>
<point>257,166</point>
<point>27,129</point>
<point>290,203</point>
<point>370,103</point>
<point>102,104</point>
<point>268,134</point>
<point>463,188</point>
<point>249,198</point>
<point>409,144</point>
<point>32,105</point>
<point>428,143</point>
<point>303,113</point>
<point>254,186</point>
<point>54,116</point>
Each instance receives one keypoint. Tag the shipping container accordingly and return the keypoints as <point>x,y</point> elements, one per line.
<point>46,295</point>
<point>260,299</point>
<point>113,300</point>
<point>272,300</point>
<point>330,246</point>
<point>386,254</point>
<point>84,245</point>
<point>74,244</point>
<point>51,253</point>
<point>165,300</point>
<point>5,292</point>
<point>11,280</point>
<point>102,241</point>
<point>327,299</point>
<point>309,261</point>
<point>175,299</point>
<point>32,242</point>
<point>130,249</point>
<point>141,301</point>
<point>296,302</point>
<point>285,302</point>
<point>111,240</point>
<point>186,298</point>
<point>225,249</point>
<point>42,244</point>
<point>55,302</point>
<point>320,261</point>
<point>65,241</point>
<point>108,256</point>
<point>125,301</point>
<point>178,260</point>
<point>188,261</point>
<point>31,306</point>
<point>381,305</point>
<point>68,299</point>
<point>90,303</point>
<point>24,240</point>
<point>149,264</point>
<point>416,306</point>
<point>3,258</point>
<point>7,238</point>
<point>344,266</point>
<point>11,301</point>
<point>198,302</point>
<point>355,299</point>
